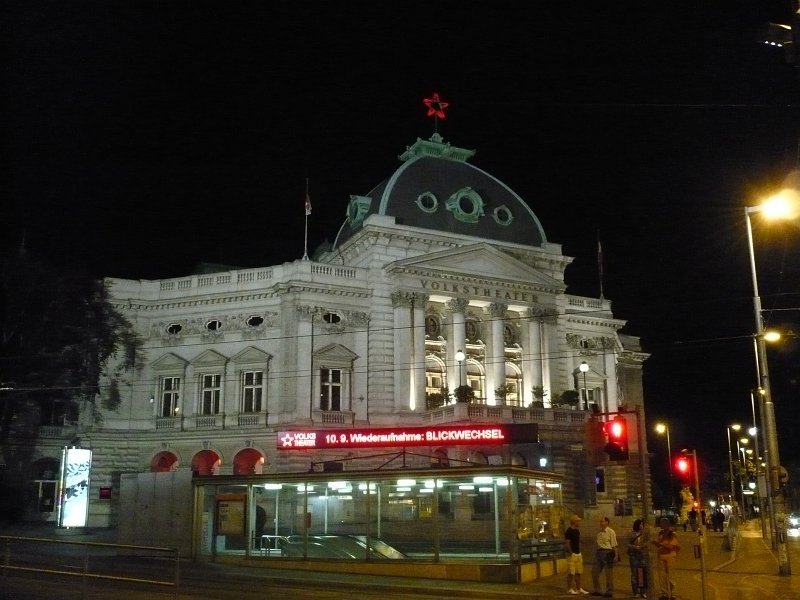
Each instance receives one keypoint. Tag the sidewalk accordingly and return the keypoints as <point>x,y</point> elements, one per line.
<point>719,561</point>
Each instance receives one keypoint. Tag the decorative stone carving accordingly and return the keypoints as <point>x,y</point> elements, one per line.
<point>582,342</point>
<point>541,313</point>
<point>402,299</point>
<point>498,310</point>
<point>458,305</point>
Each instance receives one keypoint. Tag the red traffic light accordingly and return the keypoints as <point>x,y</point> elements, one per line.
<point>682,465</point>
<point>617,433</point>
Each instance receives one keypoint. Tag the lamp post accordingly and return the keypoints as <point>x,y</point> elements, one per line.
<point>662,428</point>
<point>770,209</point>
<point>742,458</point>
<point>754,433</point>
<point>584,367</point>
<point>778,208</point>
<point>734,427</point>
<point>460,359</point>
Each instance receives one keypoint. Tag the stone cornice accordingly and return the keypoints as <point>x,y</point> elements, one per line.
<point>371,234</point>
<point>146,305</point>
<point>595,320</point>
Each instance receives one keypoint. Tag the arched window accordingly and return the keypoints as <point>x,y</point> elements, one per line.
<point>247,462</point>
<point>435,388</point>
<point>163,462</point>
<point>440,458</point>
<point>513,386</point>
<point>206,462</point>
<point>476,380</point>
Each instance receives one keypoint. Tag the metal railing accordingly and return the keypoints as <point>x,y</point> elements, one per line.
<point>91,561</point>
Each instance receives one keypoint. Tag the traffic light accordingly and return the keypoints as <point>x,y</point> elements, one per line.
<point>683,466</point>
<point>617,434</point>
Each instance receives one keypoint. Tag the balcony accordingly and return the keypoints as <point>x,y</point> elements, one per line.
<point>482,413</point>
<point>246,420</point>
<point>333,417</point>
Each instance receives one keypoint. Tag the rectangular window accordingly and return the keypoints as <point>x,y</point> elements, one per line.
<point>170,396</point>
<point>53,412</point>
<point>211,393</point>
<point>330,389</point>
<point>252,390</point>
<point>433,383</point>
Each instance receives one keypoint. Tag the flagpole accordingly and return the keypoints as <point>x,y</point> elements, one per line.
<point>305,234</point>
<point>600,263</point>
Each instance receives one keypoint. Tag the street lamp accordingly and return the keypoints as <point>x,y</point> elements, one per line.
<point>584,367</point>
<point>460,359</point>
<point>661,429</point>
<point>774,208</point>
<point>735,427</point>
<point>753,431</point>
<point>777,207</point>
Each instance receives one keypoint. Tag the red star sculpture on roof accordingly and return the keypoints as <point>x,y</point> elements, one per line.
<point>435,106</point>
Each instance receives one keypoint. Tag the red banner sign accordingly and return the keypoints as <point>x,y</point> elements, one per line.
<point>378,437</point>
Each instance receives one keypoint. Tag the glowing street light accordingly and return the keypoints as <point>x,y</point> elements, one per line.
<point>584,367</point>
<point>460,356</point>
<point>661,429</point>
<point>735,427</point>
<point>782,206</point>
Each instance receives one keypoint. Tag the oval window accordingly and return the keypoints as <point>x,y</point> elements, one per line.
<point>214,325</point>
<point>174,329</point>
<point>255,321</point>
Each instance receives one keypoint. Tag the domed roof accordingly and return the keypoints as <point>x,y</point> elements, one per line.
<point>435,188</point>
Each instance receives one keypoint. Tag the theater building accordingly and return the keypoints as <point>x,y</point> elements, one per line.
<point>435,335</point>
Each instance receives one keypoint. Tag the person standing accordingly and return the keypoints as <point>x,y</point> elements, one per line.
<point>638,558</point>
<point>606,555</point>
<point>572,540</point>
<point>667,550</point>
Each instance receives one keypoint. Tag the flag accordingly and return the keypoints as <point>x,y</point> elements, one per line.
<point>308,204</point>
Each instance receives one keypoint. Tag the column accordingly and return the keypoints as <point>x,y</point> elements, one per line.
<point>456,340</point>
<point>610,371</point>
<point>417,395</point>
<point>532,357</point>
<point>304,366</point>
<point>496,359</point>
<point>403,350</point>
<point>549,329</point>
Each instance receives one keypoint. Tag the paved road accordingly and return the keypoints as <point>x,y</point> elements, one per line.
<point>748,572</point>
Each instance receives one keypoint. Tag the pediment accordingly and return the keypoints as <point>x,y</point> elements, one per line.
<point>335,352</point>
<point>477,261</point>
<point>209,358</point>
<point>251,356</point>
<point>169,362</point>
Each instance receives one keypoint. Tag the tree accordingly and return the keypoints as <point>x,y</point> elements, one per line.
<point>464,393</point>
<point>57,333</point>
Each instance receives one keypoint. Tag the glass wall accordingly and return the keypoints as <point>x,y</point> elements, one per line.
<point>435,514</point>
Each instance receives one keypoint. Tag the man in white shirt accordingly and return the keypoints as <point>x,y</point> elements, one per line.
<point>606,555</point>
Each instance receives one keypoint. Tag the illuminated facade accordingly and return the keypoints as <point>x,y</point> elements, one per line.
<point>440,286</point>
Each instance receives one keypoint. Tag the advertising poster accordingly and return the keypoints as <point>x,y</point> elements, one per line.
<point>76,464</point>
<point>231,516</point>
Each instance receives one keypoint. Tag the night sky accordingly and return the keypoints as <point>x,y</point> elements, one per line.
<point>147,137</point>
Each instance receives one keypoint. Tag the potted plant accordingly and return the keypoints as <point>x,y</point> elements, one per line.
<point>503,391</point>
<point>539,394</point>
<point>437,399</point>
<point>570,398</point>
<point>464,393</point>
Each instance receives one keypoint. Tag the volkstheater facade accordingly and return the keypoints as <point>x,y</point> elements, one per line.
<point>348,365</point>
